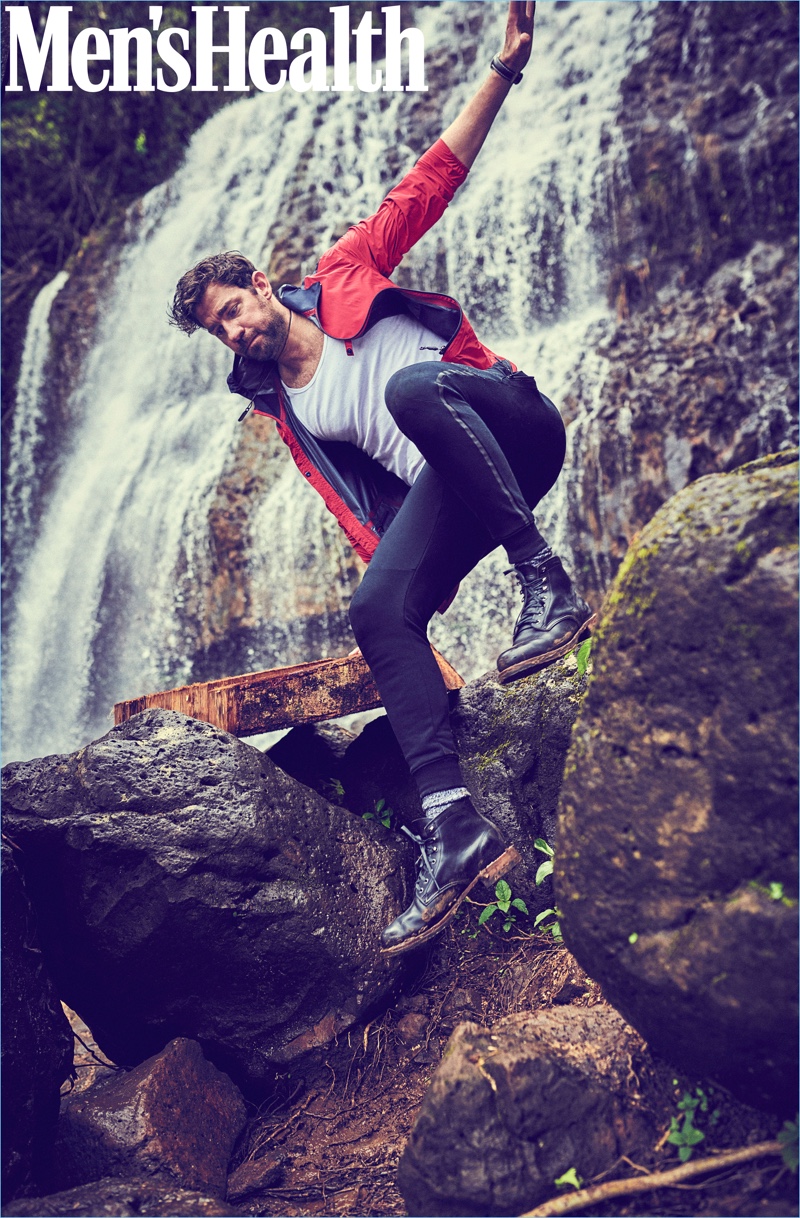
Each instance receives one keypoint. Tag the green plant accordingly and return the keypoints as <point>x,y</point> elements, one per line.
<point>382,813</point>
<point>582,658</point>
<point>546,868</point>
<point>554,927</point>
<point>788,1140</point>
<point>333,788</point>
<point>683,1132</point>
<point>774,890</point>
<point>504,902</point>
<point>570,1177</point>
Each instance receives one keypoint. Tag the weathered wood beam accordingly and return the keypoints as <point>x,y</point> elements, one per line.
<point>257,702</point>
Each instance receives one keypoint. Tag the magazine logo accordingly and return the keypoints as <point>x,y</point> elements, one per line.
<point>192,66</point>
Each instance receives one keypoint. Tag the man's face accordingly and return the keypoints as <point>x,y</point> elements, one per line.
<point>247,320</point>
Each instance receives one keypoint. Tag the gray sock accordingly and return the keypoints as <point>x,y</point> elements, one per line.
<point>437,800</point>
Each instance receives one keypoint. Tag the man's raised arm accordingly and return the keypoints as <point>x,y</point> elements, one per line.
<point>464,137</point>
<point>418,201</point>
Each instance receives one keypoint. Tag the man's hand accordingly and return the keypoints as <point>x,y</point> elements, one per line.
<point>519,34</point>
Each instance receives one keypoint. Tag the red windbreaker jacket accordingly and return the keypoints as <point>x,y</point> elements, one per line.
<point>349,291</point>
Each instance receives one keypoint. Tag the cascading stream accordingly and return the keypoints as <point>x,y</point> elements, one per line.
<point>109,579</point>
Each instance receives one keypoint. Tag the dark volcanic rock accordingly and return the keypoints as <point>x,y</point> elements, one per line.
<point>187,887</point>
<point>510,1110</point>
<point>37,1041</point>
<point>677,853</point>
<point>513,742</point>
<point>174,1116</point>
<point>111,1198</point>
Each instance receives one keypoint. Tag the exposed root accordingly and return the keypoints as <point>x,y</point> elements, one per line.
<point>584,1197</point>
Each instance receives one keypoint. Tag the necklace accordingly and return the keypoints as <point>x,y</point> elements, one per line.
<point>285,341</point>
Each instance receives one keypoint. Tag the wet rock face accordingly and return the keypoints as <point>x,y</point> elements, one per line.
<point>709,117</point>
<point>510,1110</point>
<point>36,1045</point>
<point>174,1116</point>
<point>699,373</point>
<point>677,855</point>
<point>187,887</point>
<point>702,381</point>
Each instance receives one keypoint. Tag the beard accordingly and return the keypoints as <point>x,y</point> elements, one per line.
<point>266,342</point>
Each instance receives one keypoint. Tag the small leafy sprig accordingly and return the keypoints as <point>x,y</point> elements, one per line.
<point>582,658</point>
<point>504,902</point>
<point>544,870</point>
<point>683,1133</point>
<point>382,813</point>
<point>570,1178</point>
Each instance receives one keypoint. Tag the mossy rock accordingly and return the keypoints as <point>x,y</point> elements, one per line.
<point>677,861</point>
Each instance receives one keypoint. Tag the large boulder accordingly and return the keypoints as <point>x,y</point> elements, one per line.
<point>175,1116</point>
<point>130,1198</point>
<point>36,1044</point>
<point>677,850</point>
<point>187,887</point>
<point>511,1109</point>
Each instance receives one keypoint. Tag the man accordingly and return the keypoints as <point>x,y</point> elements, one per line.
<point>420,438</point>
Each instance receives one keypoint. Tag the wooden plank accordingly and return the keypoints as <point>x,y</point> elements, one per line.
<point>256,702</point>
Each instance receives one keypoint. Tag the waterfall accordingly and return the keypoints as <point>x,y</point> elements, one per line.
<point>115,574</point>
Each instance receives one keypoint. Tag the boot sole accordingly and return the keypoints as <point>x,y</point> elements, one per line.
<point>524,667</point>
<point>491,873</point>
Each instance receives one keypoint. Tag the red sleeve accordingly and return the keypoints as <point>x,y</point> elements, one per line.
<point>407,212</point>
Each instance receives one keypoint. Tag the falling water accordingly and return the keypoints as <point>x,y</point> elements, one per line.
<point>112,576</point>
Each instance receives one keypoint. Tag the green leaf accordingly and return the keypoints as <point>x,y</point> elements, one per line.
<point>504,906</point>
<point>555,931</point>
<point>545,869</point>
<point>541,845</point>
<point>776,890</point>
<point>502,891</point>
<point>692,1136</point>
<point>570,1177</point>
<point>509,922</point>
<point>583,656</point>
<point>540,917</point>
<point>486,914</point>
<point>380,805</point>
<point>632,937</point>
<point>519,904</point>
<point>788,1140</point>
<point>685,1154</point>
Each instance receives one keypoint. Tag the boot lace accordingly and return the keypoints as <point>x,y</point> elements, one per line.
<point>424,863</point>
<point>534,597</point>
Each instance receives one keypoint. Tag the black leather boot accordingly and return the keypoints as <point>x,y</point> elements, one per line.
<point>458,847</point>
<point>553,618</point>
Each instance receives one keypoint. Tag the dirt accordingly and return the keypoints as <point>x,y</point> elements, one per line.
<point>330,1143</point>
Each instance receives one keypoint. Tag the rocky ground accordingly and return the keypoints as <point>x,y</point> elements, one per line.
<point>330,1139</point>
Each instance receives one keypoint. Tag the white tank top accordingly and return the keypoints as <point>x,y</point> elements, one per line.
<point>344,400</point>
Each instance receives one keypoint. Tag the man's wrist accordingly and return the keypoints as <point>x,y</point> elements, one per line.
<point>502,69</point>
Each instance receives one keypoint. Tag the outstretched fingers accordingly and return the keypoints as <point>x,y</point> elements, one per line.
<point>519,33</point>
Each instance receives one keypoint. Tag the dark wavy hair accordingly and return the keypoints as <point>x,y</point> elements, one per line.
<point>230,267</point>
